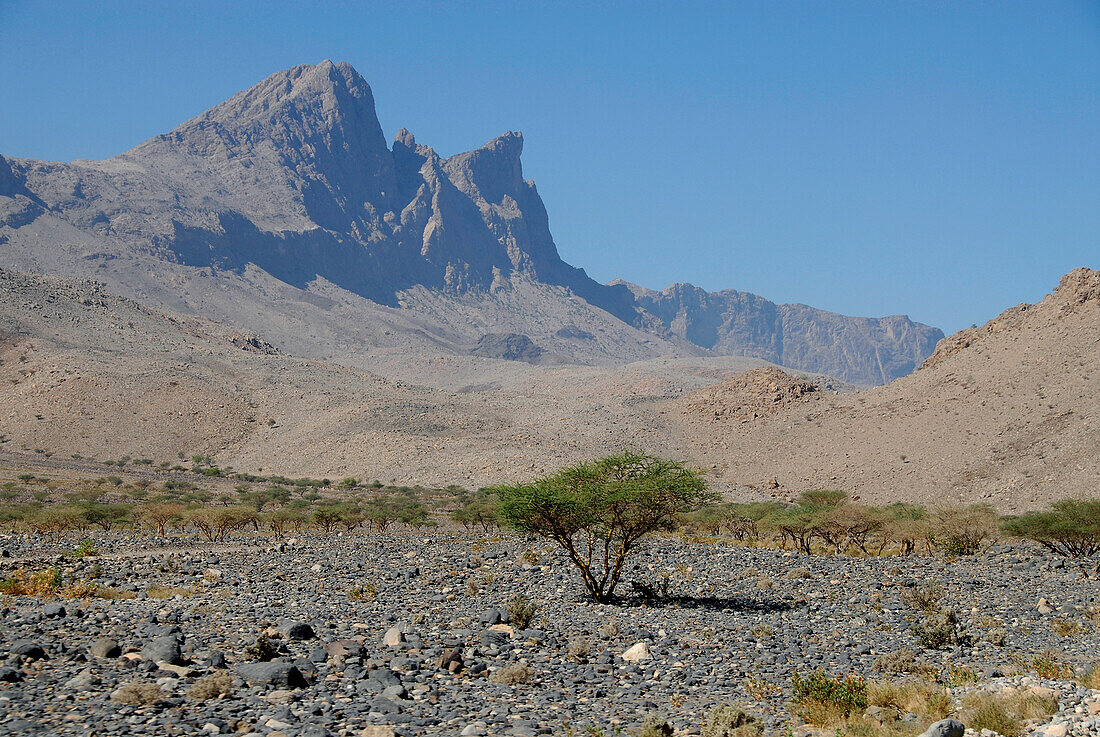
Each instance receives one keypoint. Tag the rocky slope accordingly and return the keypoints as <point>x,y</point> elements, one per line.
<point>1006,413</point>
<point>283,212</point>
<point>858,349</point>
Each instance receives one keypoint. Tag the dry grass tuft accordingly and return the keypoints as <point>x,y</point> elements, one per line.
<point>512,675</point>
<point>214,686</point>
<point>1006,712</point>
<point>138,694</point>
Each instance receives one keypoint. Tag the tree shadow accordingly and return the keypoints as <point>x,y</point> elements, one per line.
<point>734,603</point>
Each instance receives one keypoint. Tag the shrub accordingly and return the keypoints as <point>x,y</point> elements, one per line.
<point>85,549</point>
<point>963,530</point>
<point>1047,664</point>
<point>214,686</point>
<point>938,629</point>
<point>264,648</point>
<point>138,694</point>
<point>655,726</point>
<point>923,597</point>
<point>821,699</point>
<point>514,674</point>
<point>599,512</point>
<point>521,611</point>
<point>903,661</point>
<point>367,592</point>
<point>38,583</point>
<point>927,699</point>
<point>726,720</point>
<point>1070,527</point>
<point>1006,712</point>
<point>579,648</point>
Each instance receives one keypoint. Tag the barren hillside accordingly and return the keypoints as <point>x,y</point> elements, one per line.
<point>85,372</point>
<point>1007,413</point>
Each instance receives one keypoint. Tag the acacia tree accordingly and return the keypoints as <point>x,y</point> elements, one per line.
<point>600,511</point>
<point>1071,527</point>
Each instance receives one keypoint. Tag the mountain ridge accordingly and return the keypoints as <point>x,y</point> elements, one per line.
<point>293,178</point>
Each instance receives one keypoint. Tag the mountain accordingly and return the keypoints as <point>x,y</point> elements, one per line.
<point>1005,413</point>
<point>282,211</point>
<point>859,349</point>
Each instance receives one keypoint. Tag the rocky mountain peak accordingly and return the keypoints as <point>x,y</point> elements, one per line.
<point>302,145</point>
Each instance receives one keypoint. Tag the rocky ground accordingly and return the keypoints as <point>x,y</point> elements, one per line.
<point>365,634</point>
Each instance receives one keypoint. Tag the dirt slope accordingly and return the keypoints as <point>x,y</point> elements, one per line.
<point>83,371</point>
<point>1007,413</point>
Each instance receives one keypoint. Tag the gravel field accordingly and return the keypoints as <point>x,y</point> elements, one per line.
<point>410,633</point>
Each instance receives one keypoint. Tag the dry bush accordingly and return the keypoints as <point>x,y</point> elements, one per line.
<point>1007,711</point>
<point>36,583</point>
<point>512,675</point>
<point>727,720</point>
<point>138,694</point>
<point>963,530</point>
<point>655,726</point>
<point>1091,677</point>
<point>214,686</point>
<point>579,648</point>
<point>927,699</point>
<point>923,597</point>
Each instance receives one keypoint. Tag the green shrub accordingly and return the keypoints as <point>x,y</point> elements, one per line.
<point>821,699</point>
<point>521,611</point>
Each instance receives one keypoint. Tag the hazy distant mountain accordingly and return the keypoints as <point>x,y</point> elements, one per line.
<point>284,212</point>
<point>861,349</point>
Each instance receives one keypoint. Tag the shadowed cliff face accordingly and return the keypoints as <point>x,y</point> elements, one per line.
<point>293,176</point>
<point>858,349</point>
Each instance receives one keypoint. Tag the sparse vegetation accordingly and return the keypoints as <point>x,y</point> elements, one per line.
<point>213,686</point>
<point>513,675</point>
<point>821,699</point>
<point>521,611</point>
<point>599,512</point>
<point>726,720</point>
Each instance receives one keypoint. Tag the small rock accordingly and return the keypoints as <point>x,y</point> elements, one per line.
<point>105,647</point>
<point>29,650</point>
<point>296,630</point>
<point>272,673</point>
<point>53,610</point>
<point>164,649</point>
<point>945,728</point>
<point>637,653</point>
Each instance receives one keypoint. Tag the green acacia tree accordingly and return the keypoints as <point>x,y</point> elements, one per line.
<point>1071,527</point>
<point>600,511</point>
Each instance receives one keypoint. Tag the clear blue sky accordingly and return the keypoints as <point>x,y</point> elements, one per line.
<point>940,159</point>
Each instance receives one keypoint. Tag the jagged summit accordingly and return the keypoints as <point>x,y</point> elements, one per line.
<point>293,178</point>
